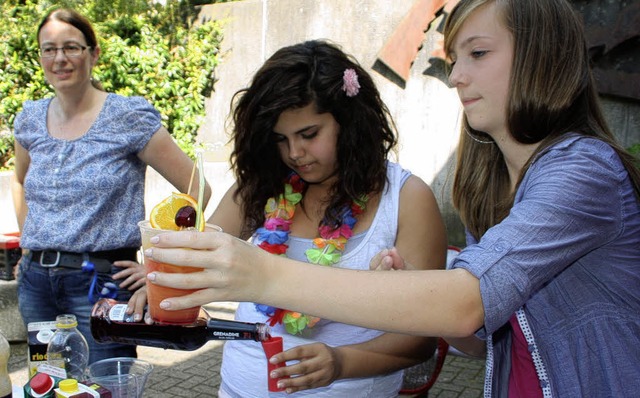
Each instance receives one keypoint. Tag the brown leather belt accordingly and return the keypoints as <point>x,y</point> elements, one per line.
<point>100,261</point>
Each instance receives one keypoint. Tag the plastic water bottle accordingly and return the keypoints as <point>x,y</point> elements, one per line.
<point>68,349</point>
<point>5,381</point>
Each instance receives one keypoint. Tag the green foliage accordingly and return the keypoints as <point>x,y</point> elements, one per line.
<point>635,151</point>
<point>146,49</point>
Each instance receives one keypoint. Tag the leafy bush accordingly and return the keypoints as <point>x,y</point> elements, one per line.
<point>147,49</point>
<point>635,150</point>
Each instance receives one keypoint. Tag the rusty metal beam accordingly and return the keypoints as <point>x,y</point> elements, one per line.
<point>401,48</point>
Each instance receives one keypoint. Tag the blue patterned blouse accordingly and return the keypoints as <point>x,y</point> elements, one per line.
<point>86,194</point>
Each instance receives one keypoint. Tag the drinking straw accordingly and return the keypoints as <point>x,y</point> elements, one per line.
<point>201,185</point>
<point>193,172</point>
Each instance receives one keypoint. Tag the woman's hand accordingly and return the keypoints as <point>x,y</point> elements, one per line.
<point>318,365</point>
<point>133,274</point>
<point>387,259</point>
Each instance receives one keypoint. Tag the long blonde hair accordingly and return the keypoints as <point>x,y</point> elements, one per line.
<point>552,93</point>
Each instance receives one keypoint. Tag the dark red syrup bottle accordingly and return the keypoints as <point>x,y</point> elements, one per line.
<point>111,324</point>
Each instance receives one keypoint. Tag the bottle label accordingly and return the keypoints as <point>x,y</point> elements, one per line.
<point>224,335</point>
<point>118,313</point>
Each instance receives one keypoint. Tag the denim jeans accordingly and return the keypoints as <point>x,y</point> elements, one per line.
<point>44,293</point>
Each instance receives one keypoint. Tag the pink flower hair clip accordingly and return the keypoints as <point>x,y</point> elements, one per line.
<point>350,83</point>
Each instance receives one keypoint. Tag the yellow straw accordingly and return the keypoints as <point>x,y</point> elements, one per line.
<point>201,185</point>
<point>193,173</point>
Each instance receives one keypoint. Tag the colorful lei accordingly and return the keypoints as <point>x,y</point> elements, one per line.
<point>327,250</point>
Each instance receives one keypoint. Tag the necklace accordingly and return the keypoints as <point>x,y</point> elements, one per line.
<point>478,140</point>
<point>327,248</point>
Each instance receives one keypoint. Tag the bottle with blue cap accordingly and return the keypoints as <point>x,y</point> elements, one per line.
<point>68,349</point>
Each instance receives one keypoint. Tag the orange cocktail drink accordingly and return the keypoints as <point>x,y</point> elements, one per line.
<point>165,218</point>
<point>155,293</point>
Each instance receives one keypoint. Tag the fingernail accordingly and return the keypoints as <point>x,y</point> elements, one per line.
<point>273,375</point>
<point>136,317</point>
<point>151,276</point>
<point>280,385</point>
<point>149,252</point>
<point>272,360</point>
<point>154,239</point>
<point>165,305</point>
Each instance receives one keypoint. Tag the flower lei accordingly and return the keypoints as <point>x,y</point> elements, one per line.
<point>327,250</point>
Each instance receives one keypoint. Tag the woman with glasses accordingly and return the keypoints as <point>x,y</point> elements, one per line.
<point>80,162</point>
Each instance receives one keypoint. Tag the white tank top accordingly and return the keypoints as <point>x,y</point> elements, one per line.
<point>244,365</point>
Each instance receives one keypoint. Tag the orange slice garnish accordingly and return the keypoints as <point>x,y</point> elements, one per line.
<point>163,215</point>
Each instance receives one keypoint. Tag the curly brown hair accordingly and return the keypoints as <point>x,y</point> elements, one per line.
<point>292,78</point>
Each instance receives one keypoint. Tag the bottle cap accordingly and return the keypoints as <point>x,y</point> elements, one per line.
<point>41,383</point>
<point>68,385</point>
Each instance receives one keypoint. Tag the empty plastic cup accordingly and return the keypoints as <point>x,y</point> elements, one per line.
<point>124,377</point>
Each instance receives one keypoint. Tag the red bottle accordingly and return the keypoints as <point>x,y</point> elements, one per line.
<point>111,324</point>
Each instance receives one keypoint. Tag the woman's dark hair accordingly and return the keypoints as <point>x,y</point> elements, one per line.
<point>292,78</point>
<point>74,19</point>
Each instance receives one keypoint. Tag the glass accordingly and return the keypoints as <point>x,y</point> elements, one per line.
<point>71,51</point>
<point>155,293</point>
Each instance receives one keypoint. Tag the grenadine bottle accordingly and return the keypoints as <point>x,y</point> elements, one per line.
<point>111,324</point>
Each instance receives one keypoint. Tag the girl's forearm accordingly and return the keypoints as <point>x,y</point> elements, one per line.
<point>427,303</point>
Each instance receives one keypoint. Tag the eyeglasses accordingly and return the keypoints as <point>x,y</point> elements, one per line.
<point>70,51</point>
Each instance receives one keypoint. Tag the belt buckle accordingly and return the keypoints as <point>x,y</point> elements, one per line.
<point>50,265</point>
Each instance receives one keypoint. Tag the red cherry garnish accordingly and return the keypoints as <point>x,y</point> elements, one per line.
<point>186,217</point>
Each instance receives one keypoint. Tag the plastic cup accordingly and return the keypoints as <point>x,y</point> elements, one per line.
<point>272,347</point>
<point>125,377</point>
<point>155,293</point>
<point>120,386</point>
